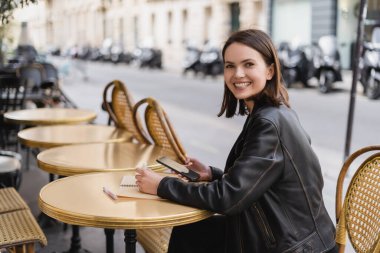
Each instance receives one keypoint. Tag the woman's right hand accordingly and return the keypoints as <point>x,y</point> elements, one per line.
<point>203,170</point>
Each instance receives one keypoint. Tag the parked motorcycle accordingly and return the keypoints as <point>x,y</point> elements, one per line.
<point>370,66</point>
<point>211,61</point>
<point>192,60</point>
<point>148,57</point>
<point>296,64</point>
<point>327,63</point>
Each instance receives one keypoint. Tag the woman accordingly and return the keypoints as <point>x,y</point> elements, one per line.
<point>270,194</point>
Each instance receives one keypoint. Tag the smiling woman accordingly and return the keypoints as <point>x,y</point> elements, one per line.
<point>246,72</point>
<point>269,196</point>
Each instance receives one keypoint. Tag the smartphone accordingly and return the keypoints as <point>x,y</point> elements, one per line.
<point>179,168</point>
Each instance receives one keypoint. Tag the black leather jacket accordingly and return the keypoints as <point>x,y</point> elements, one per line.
<point>270,191</point>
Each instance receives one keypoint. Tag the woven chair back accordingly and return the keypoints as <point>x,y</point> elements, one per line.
<point>159,127</point>
<point>120,110</point>
<point>359,216</point>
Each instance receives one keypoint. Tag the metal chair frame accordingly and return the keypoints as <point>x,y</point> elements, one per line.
<point>12,97</point>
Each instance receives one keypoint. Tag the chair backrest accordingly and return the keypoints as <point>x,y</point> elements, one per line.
<point>159,127</point>
<point>34,72</point>
<point>12,91</point>
<point>120,109</point>
<point>359,216</point>
<point>12,97</point>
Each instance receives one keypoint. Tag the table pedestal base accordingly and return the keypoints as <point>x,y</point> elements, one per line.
<point>75,246</point>
<point>109,239</point>
<point>130,240</point>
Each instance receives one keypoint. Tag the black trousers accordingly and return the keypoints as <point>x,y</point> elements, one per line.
<point>206,236</point>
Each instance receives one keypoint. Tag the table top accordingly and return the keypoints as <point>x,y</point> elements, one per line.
<point>99,157</point>
<point>79,200</point>
<point>59,135</point>
<point>50,116</point>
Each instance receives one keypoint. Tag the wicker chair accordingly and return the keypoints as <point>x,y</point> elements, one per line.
<point>10,169</point>
<point>159,127</point>
<point>10,200</point>
<point>163,135</point>
<point>19,231</point>
<point>18,228</point>
<point>120,110</point>
<point>359,215</point>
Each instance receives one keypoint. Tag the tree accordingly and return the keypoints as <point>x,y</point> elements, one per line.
<point>8,6</point>
<point>6,11</point>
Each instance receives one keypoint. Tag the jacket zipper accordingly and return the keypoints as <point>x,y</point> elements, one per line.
<point>265,228</point>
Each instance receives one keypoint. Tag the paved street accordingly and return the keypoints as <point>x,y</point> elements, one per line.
<point>192,104</point>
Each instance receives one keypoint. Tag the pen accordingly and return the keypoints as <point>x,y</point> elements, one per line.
<point>109,193</point>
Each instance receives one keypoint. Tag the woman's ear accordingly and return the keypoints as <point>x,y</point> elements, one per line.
<point>270,72</point>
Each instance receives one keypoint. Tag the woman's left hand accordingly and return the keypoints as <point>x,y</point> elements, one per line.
<point>147,180</point>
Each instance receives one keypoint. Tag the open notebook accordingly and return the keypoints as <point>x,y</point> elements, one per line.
<point>128,188</point>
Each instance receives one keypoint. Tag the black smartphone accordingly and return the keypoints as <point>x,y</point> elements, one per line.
<point>179,168</point>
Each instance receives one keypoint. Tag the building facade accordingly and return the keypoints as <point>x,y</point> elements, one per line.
<point>163,24</point>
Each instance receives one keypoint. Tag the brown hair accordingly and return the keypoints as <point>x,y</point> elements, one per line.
<point>274,92</point>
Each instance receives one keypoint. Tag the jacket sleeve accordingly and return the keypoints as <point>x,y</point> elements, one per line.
<point>216,173</point>
<point>259,165</point>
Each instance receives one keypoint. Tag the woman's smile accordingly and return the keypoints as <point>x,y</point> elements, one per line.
<point>241,85</point>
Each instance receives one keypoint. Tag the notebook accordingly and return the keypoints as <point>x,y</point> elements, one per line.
<point>128,188</point>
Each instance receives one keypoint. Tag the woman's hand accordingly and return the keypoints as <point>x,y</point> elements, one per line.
<point>203,170</point>
<point>147,180</point>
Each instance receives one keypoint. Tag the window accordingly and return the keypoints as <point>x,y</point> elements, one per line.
<point>235,13</point>
<point>170,27</point>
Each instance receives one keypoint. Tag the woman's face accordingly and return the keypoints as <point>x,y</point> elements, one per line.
<point>245,72</point>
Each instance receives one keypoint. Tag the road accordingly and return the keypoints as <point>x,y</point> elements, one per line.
<point>192,105</point>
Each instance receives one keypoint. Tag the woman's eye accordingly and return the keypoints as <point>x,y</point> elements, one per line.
<point>228,66</point>
<point>249,64</point>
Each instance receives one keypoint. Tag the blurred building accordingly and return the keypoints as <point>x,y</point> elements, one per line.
<point>170,24</point>
<point>164,24</point>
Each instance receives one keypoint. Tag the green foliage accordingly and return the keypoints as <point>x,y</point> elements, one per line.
<point>8,6</point>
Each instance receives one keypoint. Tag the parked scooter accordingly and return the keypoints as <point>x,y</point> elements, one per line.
<point>327,63</point>
<point>370,66</point>
<point>192,60</point>
<point>211,61</point>
<point>295,63</point>
<point>148,57</point>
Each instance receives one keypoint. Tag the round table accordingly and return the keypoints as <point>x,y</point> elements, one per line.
<point>100,157</point>
<point>59,135</point>
<point>50,116</point>
<point>79,200</point>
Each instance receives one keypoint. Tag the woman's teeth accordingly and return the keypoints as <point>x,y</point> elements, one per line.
<point>242,85</point>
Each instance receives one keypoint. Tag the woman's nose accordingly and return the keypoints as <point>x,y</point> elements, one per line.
<point>239,72</point>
